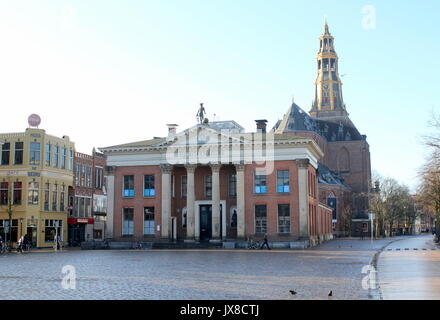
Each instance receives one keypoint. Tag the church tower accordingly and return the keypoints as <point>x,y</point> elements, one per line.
<point>328,103</point>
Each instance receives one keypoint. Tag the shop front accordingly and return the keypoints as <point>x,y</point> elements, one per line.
<point>80,230</point>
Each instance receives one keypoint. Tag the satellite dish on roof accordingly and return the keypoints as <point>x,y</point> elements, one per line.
<point>34,120</point>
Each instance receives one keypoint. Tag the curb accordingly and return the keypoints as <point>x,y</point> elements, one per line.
<point>376,294</point>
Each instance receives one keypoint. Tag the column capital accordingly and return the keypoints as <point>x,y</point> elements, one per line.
<point>166,168</point>
<point>190,168</point>
<point>239,167</point>
<point>215,167</point>
<point>302,163</point>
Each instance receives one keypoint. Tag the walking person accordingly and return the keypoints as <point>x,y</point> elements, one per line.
<point>265,243</point>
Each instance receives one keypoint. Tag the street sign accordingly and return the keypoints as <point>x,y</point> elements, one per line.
<point>372,216</point>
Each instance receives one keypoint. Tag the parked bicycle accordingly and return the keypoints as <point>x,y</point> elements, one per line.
<point>138,246</point>
<point>253,245</point>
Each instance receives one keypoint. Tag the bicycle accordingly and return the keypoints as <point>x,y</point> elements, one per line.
<point>138,246</point>
<point>253,245</point>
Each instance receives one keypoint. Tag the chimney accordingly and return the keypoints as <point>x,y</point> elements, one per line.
<point>172,130</point>
<point>261,126</point>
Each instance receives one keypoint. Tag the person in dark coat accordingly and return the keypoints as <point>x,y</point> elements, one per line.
<point>265,243</point>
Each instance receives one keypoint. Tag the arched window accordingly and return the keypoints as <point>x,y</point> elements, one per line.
<point>233,217</point>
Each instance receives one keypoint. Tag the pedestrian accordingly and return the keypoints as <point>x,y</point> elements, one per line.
<point>58,242</point>
<point>265,243</point>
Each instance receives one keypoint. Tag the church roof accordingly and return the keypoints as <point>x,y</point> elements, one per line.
<point>296,119</point>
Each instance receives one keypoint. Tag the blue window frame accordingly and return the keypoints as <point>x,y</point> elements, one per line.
<point>260,184</point>
<point>128,186</point>
<point>149,190</point>
<point>283,181</point>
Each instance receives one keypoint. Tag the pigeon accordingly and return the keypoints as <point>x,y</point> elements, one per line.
<point>293,292</point>
<point>330,294</point>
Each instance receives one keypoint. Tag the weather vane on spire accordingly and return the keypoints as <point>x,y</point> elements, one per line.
<point>201,114</point>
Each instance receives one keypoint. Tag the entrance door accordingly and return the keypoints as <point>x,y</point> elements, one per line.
<point>32,235</point>
<point>205,222</point>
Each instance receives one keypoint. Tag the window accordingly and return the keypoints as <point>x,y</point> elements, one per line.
<point>12,232</point>
<point>6,149</point>
<point>33,188</point>
<point>98,178</point>
<point>55,197</point>
<point>4,193</point>
<point>260,219</point>
<point>283,181</point>
<point>260,184</point>
<point>232,185</point>
<point>334,77</point>
<point>234,218</point>
<point>128,186</point>
<point>88,207</point>
<point>127,222</point>
<point>284,218</point>
<point>149,185</point>
<point>77,174</point>
<point>53,228</point>
<point>184,186</point>
<point>149,221</point>
<point>89,177</point>
<point>48,154</point>
<point>18,186</point>
<point>83,175</point>
<point>46,196</point>
<point>56,156</point>
<point>184,217</point>
<point>63,158</point>
<point>70,160</point>
<point>34,153</point>
<point>18,158</point>
<point>208,186</point>
<point>326,74</point>
<point>62,195</point>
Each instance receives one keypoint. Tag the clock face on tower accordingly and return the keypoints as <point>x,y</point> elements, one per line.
<point>325,86</point>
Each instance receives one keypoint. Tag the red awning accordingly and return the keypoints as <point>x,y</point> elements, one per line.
<point>80,220</point>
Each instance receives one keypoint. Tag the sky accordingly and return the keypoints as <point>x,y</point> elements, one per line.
<point>106,72</point>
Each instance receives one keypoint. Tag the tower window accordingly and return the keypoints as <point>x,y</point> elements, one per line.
<point>334,77</point>
<point>325,75</point>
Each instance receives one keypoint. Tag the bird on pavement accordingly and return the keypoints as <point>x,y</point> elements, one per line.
<point>330,294</point>
<point>293,292</point>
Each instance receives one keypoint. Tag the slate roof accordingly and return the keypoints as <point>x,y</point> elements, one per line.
<point>296,119</point>
<point>326,176</point>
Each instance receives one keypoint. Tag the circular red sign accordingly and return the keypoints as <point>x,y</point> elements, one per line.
<point>34,120</point>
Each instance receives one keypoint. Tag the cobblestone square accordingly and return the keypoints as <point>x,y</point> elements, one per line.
<point>219,274</point>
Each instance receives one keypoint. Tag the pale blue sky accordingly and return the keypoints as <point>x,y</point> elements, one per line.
<point>109,72</point>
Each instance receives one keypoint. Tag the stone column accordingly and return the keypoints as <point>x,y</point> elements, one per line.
<point>190,202</point>
<point>110,189</point>
<point>303,191</point>
<point>240,202</point>
<point>166,201</point>
<point>216,201</point>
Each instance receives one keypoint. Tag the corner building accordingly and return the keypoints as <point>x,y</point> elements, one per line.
<point>35,178</point>
<point>215,183</point>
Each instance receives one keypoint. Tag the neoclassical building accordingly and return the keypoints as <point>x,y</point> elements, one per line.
<point>214,182</point>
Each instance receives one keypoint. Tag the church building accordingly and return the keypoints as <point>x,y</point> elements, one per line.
<point>345,169</point>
